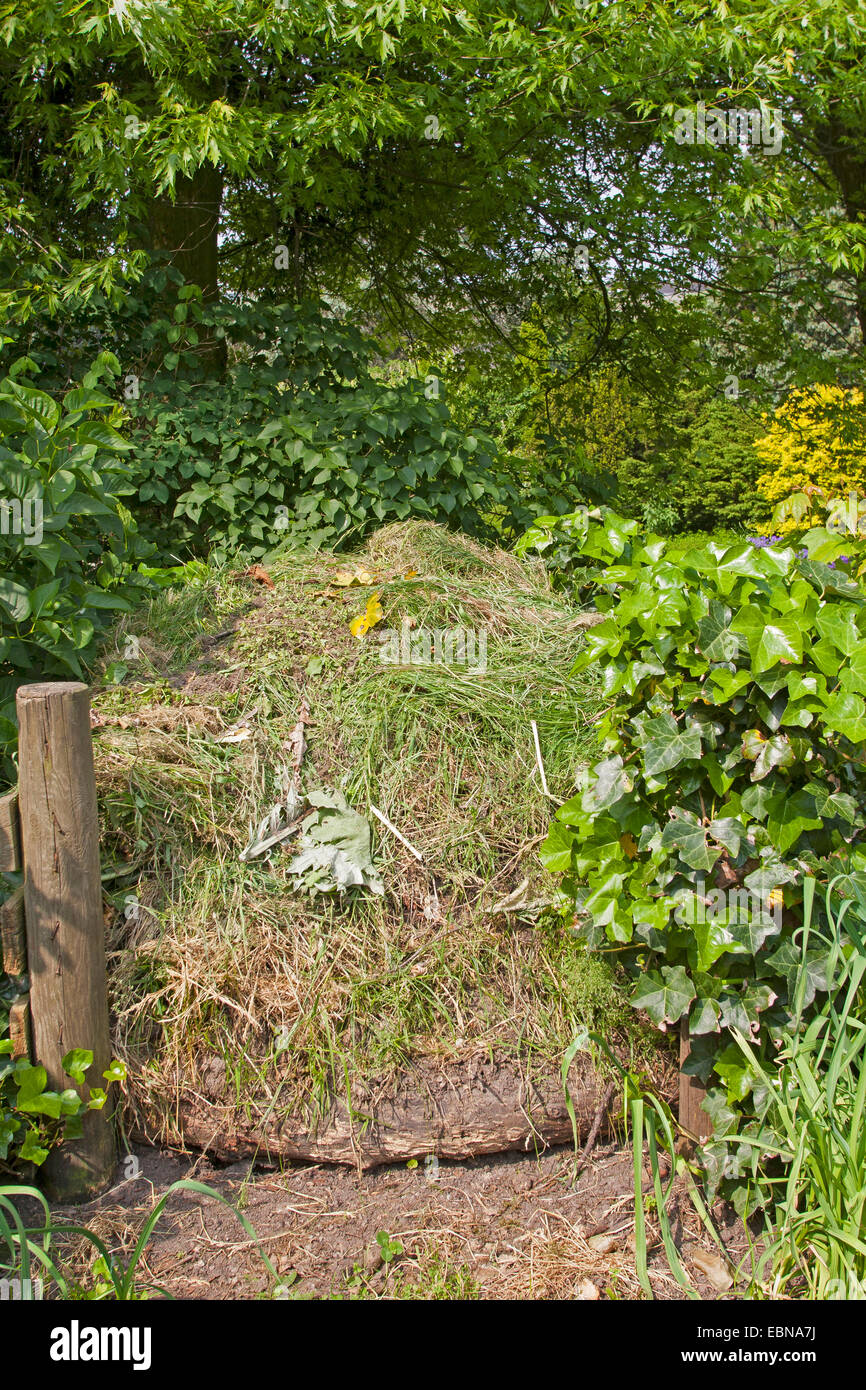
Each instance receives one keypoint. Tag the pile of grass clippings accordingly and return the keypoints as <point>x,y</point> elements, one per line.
<point>244,697</point>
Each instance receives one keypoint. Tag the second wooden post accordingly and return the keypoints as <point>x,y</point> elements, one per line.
<point>693,1117</point>
<point>63,907</point>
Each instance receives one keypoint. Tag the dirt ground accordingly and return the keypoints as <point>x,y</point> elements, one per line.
<point>503,1227</point>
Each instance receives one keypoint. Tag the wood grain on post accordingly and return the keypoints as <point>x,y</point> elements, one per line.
<point>12,937</point>
<point>10,834</point>
<point>19,1028</point>
<point>63,909</point>
<point>693,1117</point>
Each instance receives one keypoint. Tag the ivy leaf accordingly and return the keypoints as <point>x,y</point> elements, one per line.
<point>702,1050</point>
<point>728,831</point>
<point>716,641</point>
<point>606,905</point>
<point>555,853</point>
<point>838,623</point>
<point>721,1114</point>
<point>788,962</point>
<point>30,1081</point>
<point>741,1010</point>
<point>664,997</point>
<point>755,801</point>
<point>845,713</point>
<point>854,671</point>
<point>775,752</point>
<point>753,929</point>
<point>705,1017</point>
<point>610,782</point>
<point>32,1150</point>
<point>713,938</point>
<point>732,1067</point>
<point>667,745</point>
<point>771,638</point>
<point>789,814</point>
<point>691,842</point>
<point>76,1064</point>
<point>770,875</point>
<point>829,803</point>
<point>728,683</point>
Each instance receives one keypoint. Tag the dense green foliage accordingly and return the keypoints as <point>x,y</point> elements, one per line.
<point>69,547</point>
<point>678,460</point>
<point>733,763</point>
<point>698,471</point>
<point>300,443</point>
<point>227,203</point>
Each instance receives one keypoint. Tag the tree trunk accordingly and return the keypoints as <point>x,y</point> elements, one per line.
<point>186,230</point>
<point>844,152</point>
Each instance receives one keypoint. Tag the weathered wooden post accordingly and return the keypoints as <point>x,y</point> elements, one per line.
<point>692,1115</point>
<point>12,933</point>
<point>63,909</point>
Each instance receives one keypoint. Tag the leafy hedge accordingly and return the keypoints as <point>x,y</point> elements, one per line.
<point>69,551</point>
<point>700,472</point>
<point>299,442</point>
<point>733,765</point>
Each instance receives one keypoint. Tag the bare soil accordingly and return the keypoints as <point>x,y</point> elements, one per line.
<point>497,1227</point>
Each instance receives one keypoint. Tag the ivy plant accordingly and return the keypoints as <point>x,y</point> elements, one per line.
<point>35,1119</point>
<point>731,765</point>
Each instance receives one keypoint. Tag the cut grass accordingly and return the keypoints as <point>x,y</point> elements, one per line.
<point>227,979</point>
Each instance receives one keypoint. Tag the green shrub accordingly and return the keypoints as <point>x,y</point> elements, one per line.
<point>298,443</point>
<point>699,473</point>
<point>558,540</point>
<point>733,763</point>
<point>68,547</point>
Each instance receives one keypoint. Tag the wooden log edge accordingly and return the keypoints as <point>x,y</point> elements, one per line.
<point>457,1113</point>
<point>20,1030</point>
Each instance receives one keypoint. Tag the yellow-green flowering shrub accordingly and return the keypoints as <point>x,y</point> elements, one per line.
<point>815,440</point>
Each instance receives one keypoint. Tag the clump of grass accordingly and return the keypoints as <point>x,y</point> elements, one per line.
<point>812,1139</point>
<point>221,963</point>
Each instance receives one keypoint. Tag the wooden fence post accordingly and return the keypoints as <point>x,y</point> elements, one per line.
<point>692,1115</point>
<point>13,957</point>
<point>63,909</point>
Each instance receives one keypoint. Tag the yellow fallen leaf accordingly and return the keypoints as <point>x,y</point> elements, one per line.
<point>345,578</point>
<point>628,844</point>
<point>373,613</point>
